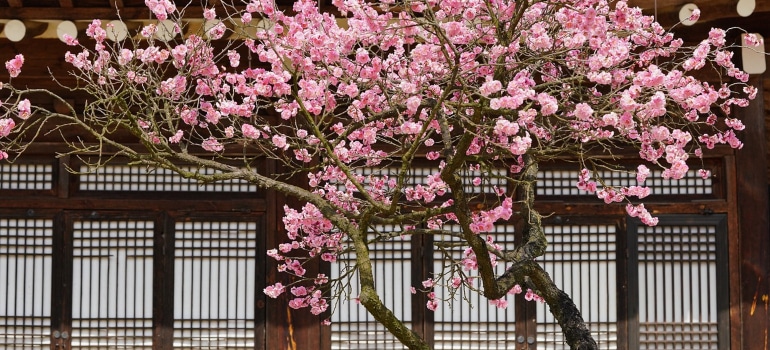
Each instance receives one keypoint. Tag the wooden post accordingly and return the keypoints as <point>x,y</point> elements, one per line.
<point>286,328</point>
<point>753,211</point>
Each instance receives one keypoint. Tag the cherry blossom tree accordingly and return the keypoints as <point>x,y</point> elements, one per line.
<point>466,87</point>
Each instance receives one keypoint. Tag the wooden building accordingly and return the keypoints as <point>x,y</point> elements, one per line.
<point>133,259</point>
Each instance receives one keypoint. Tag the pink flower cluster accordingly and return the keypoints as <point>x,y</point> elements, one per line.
<point>14,65</point>
<point>388,88</point>
<point>303,296</point>
<point>161,8</point>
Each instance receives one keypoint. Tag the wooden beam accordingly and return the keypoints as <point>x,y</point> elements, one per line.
<point>753,208</point>
<point>15,3</point>
<point>74,13</point>
<point>65,3</point>
<point>694,34</point>
<point>104,13</point>
<point>668,13</point>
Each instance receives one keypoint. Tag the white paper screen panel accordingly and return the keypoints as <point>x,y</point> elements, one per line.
<point>142,179</point>
<point>352,327</point>
<point>19,176</point>
<point>563,183</point>
<point>581,260</point>
<point>467,320</point>
<point>25,297</point>
<point>215,271</point>
<point>677,287</point>
<point>112,290</point>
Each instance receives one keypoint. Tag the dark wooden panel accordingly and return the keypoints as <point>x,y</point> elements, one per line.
<point>752,197</point>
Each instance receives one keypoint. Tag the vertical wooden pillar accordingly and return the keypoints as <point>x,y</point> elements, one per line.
<point>286,328</point>
<point>423,322</point>
<point>753,211</point>
<point>526,311</point>
<point>163,284</point>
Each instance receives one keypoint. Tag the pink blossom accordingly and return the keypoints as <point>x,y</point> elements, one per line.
<point>160,8</point>
<point>173,87</point>
<point>499,303</point>
<point>318,305</point>
<point>177,137</point>
<point>246,18</point>
<point>610,195</point>
<point>548,104</point>
<point>321,279</point>
<point>24,109</point>
<point>209,14</point>
<point>95,31</point>
<point>218,31</point>
<point>299,291</point>
<point>636,191</point>
<point>429,283</point>
<point>515,290</point>
<point>298,303</point>
<point>329,257</point>
<point>735,123</point>
<point>149,30</point>
<point>212,145</point>
<point>583,111</point>
<point>695,15</point>
<point>303,155</point>
<point>531,296</point>
<point>70,40</point>
<point>273,253</point>
<point>584,181</point>
<point>275,290</point>
<point>280,142</point>
<point>412,104</point>
<point>752,39</point>
<point>14,65</point>
<point>249,131</point>
<point>610,119</point>
<point>538,38</point>
<point>505,128</point>
<point>79,61</point>
<point>6,125</point>
<point>642,172</point>
<point>717,37</point>
<point>490,87</point>
<point>189,116</point>
<point>125,56</point>
<point>411,128</point>
<point>234,57</point>
<point>432,305</point>
<point>520,145</point>
<point>641,212</point>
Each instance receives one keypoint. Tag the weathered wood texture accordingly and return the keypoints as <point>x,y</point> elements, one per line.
<point>752,197</point>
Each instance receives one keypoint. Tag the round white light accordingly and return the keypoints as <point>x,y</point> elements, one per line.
<point>166,30</point>
<point>746,7</point>
<point>66,27</point>
<point>117,30</point>
<point>15,30</point>
<point>685,12</point>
